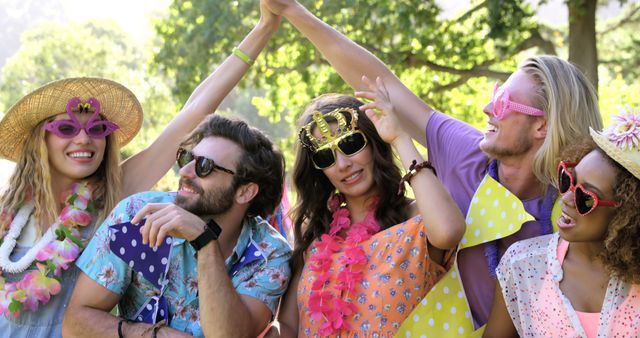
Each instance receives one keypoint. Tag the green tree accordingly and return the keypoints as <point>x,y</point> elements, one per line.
<point>445,61</point>
<point>98,48</point>
<point>619,44</point>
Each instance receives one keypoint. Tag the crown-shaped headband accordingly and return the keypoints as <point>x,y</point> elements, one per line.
<point>327,135</point>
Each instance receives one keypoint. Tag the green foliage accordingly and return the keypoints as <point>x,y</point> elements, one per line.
<point>98,48</point>
<point>435,58</point>
<point>508,20</point>
<point>618,46</point>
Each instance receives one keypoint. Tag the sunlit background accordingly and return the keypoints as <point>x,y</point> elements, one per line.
<point>135,25</point>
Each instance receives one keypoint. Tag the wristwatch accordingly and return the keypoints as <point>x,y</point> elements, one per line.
<point>211,232</point>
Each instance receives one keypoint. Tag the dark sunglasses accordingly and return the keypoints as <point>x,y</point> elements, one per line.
<point>349,144</point>
<point>204,166</point>
<point>586,201</point>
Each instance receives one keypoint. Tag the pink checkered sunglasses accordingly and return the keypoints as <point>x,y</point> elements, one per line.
<point>501,105</point>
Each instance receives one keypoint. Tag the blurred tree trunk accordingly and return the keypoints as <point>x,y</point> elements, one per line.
<point>582,37</point>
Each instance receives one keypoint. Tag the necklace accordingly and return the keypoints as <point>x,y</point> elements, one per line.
<point>325,303</point>
<point>491,248</point>
<point>54,252</point>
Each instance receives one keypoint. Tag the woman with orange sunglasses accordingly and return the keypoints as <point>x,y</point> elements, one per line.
<point>584,280</point>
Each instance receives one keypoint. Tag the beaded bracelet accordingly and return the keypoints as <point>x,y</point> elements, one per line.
<point>243,56</point>
<point>413,170</point>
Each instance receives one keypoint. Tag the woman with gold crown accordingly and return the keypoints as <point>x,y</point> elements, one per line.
<point>365,255</point>
<point>583,281</point>
<point>65,139</point>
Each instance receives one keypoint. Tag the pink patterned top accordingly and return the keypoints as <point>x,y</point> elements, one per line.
<point>398,276</point>
<point>530,274</point>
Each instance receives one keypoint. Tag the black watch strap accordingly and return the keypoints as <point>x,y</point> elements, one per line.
<point>211,232</point>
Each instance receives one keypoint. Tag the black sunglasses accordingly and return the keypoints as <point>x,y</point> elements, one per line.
<point>585,200</point>
<point>204,166</point>
<point>349,145</point>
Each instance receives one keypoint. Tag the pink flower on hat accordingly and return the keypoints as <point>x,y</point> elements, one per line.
<point>624,131</point>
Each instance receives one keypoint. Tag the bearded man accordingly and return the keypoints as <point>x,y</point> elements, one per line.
<point>199,262</point>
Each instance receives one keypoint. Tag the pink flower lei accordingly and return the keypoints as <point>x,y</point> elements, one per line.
<point>329,305</point>
<point>61,250</point>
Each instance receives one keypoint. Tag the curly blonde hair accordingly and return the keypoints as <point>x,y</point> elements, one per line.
<point>31,180</point>
<point>621,254</point>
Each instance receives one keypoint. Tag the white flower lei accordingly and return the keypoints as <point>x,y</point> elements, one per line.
<point>9,242</point>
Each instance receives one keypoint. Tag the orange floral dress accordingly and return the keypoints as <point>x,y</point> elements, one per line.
<point>398,276</point>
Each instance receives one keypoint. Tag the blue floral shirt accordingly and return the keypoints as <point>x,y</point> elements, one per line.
<point>264,279</point>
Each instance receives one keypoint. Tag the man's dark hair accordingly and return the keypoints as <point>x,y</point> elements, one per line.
<point>260,162</point>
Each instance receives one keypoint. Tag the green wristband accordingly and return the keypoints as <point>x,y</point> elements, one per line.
<point>243,56</point>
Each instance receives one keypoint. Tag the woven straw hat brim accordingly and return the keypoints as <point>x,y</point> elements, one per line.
<point>118,105</point>
<point>629,158</point>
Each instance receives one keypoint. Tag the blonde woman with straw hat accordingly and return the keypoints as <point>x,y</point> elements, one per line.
<point>65,139</point>
<point>583,281</point>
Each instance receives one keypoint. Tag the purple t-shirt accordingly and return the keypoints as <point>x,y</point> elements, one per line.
<point>453,149</point>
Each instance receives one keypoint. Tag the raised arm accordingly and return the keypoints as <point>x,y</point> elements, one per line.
<point>440,213</point>
<point>144,169</point>
<point>352,61</point>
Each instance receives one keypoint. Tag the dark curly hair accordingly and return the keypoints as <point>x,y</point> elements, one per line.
<point>311,217</point>
<point>621,254</point>
<point>260,163</point>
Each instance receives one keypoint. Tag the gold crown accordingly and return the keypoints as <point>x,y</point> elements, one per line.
<point>326,132</point>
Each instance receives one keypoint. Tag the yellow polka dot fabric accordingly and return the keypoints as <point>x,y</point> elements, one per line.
<point>555,214</point>
<point>494,213</point>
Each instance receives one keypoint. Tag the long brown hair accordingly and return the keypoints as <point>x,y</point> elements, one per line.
<point>311,217</point>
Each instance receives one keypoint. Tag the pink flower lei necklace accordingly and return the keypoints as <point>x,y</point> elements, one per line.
<point>53,253</point>
<point>325,304</point>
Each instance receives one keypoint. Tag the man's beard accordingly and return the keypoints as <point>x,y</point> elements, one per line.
<point>520,147</point>
<point>212,202</point>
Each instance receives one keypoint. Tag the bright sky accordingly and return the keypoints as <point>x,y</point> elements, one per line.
<point>553,13</point>
<point>132,15</point>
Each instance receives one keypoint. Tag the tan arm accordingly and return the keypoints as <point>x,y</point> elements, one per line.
<point>88,314</point>
<point>223,312</point>
<point>352,62</point>
<point>144,169</point>
<point>500,324</point>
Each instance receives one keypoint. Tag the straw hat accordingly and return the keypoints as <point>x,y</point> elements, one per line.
<point>118,105</point>
<point>621,141</point>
